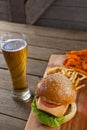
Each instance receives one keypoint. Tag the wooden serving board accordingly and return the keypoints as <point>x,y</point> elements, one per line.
<point>79,122</point>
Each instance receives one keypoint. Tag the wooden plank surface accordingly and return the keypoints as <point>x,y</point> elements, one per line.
<point>40,53</point>
<point>60,44</point>
<point>79,122</point>
<point>62,39</point>
<point>75,3</point>
<point>5,77</point>
<point>12,108</point>
<point>44,31</point>
<point>4,10</point>
<point>65,14</point>
<point>17,11</point>
<point>7,123</point>
<point>35,67</point>
<point>63,24</point>
<point>35,8</point>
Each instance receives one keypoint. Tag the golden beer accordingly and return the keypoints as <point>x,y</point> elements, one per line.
<point>15,54</point>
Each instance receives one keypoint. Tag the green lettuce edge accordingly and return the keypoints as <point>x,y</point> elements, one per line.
<point>46,118</point>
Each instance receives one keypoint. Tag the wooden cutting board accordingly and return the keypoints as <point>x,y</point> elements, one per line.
<point>79,122</point>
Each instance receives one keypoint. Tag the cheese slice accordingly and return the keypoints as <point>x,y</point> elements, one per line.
<point>57,111</point>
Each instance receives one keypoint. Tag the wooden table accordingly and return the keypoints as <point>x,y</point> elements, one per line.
<point>42,42</point>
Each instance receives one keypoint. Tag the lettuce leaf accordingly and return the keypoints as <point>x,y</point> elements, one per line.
<point>46,118</point>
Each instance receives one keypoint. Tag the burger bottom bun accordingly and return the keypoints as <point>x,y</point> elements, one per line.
<point>72,112</point>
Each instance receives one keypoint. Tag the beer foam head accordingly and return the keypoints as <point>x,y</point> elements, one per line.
<point>12,45</point>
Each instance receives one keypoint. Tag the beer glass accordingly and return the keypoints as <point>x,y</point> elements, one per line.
<point>14,48</point>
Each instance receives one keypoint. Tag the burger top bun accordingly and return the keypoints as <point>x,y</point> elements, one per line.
<point>56,89</point>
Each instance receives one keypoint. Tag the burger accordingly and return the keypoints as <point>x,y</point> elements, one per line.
<point>54,103</point>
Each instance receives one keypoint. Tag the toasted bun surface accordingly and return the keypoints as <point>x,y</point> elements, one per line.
<point>57,89</point>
